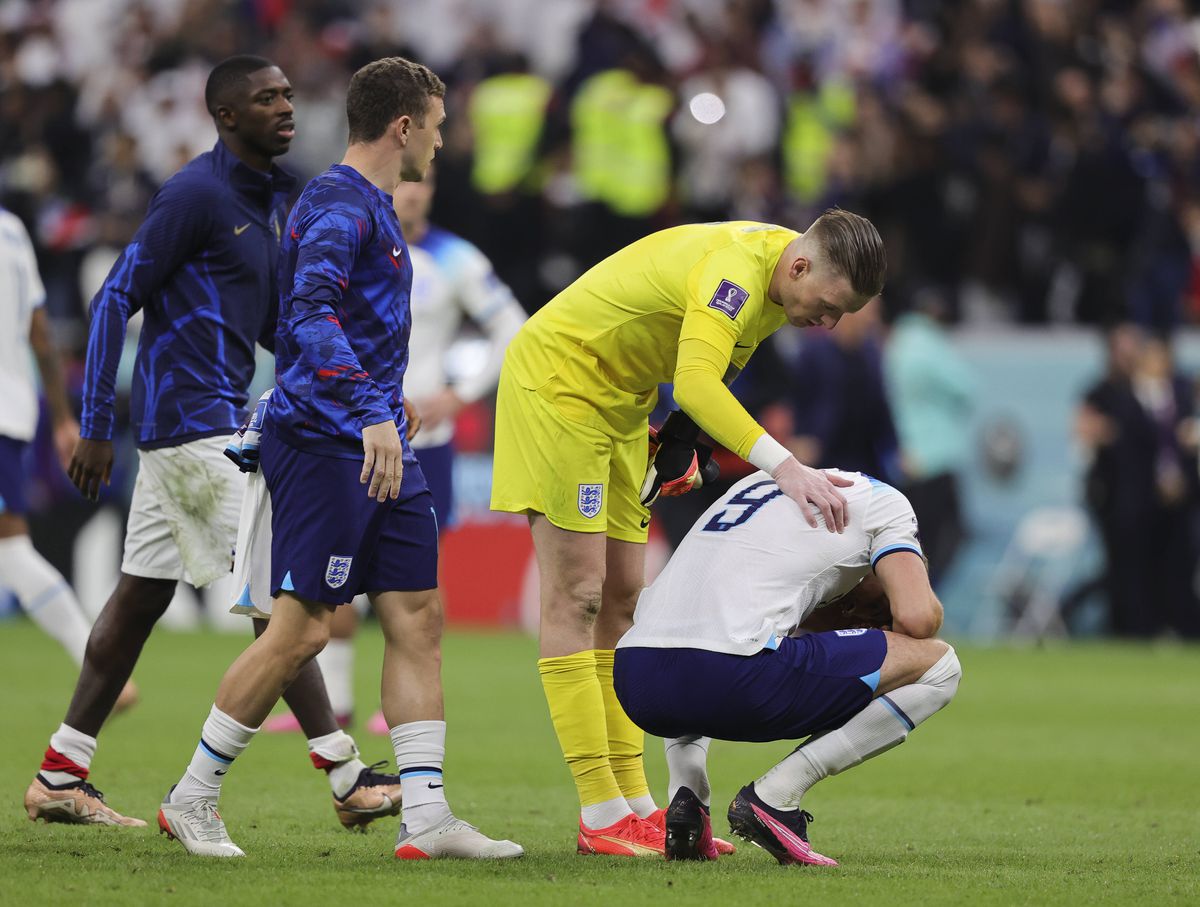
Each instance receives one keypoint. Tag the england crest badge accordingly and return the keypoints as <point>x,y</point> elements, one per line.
<point>338,571</point>
<point>591,498</point>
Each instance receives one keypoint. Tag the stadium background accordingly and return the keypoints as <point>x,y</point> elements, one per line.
<point>1033,166</point>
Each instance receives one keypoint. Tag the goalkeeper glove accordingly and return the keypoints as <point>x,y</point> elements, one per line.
<point>678,462</point>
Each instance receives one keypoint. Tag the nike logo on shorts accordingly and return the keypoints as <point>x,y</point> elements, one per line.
<point>238,231</point>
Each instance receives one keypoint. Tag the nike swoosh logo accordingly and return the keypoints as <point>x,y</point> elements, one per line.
<point>395,252</point>
<point>220,771</point>
<point>433,786</point>
<point>645,522</point>
<point>238,231</point>
<point>743,346</point>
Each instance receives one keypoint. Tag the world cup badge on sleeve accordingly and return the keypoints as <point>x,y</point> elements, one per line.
<point>338,571</point>
<point>729,299</point>
<point>591,498</point>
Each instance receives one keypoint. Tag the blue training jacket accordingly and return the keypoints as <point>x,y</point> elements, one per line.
<point>345,277</point>
<point>202,270</point>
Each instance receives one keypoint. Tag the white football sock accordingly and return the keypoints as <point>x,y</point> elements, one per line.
<point>337,667</point>
<point>644,806</point>
<point>606,813</point>
<point>420,751</point>
<point>337,754</point>
<point>221,741</point>
<point>687,762</point>
<point>883,724</point>
<point>44,595</point>
<point>74,745</point>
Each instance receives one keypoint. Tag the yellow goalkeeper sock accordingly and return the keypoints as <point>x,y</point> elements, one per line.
<point>625,739</point>
<point>577,711</point>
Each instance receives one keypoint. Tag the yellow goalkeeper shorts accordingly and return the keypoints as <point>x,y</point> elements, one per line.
<point>581,478</point>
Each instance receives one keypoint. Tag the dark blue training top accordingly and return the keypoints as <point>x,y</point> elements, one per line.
<point>344,317</point>
<point>202,268</point>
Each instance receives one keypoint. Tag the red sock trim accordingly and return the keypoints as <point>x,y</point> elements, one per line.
<point>321,762</point>
<point>54,761</point>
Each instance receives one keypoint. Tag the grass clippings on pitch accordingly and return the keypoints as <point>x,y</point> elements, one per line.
<point>1058,776</point>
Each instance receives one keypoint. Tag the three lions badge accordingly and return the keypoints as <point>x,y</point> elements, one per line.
<point>591,499</point>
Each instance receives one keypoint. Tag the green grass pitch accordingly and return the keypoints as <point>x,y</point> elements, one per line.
<point>1058,776</point>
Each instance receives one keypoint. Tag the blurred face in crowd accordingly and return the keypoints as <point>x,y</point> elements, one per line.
<point>1124,349</point>
<point>422,139</point>
<point>412,202</point>
<point>1155,360</point>
<point>811,293</point>
<point>260,116</point>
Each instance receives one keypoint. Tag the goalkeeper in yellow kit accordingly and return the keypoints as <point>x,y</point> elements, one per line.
<point>687,305</point>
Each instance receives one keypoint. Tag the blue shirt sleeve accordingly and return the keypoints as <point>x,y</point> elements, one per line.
<point>325,257</point>
<point>177,225</point>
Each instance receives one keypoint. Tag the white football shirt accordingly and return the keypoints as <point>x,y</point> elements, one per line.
<point>21,292</point>
<point>751,569</point>
<point>452,279</point>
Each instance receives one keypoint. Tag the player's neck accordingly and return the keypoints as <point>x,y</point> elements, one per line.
<point>375,164</point>
<point>255,160</point>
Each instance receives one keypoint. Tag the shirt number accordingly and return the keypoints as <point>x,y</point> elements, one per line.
<point>751,499</point>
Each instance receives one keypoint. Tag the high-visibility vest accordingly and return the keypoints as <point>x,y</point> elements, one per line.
<point>619,142</point>
<point>506,113</point>
<point>813,121</point>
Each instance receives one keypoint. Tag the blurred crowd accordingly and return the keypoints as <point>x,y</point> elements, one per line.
<point>1026,161</point>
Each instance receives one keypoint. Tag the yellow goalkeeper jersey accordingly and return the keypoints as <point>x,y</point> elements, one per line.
<point>600,348</point>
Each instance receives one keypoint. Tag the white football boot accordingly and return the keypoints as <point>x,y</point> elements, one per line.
<point>198,827</point>
<point>454,839</point>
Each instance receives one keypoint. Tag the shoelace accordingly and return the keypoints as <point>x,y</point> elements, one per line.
<point>645,831</point>
<point>209,826</point>
<point>805,819</point>
<point>368,777</point>
<point>90,791</point>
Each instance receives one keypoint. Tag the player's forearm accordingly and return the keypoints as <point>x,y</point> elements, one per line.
<point>50,367</point>
<point>500,329</point>
<point>106,342</point>
<point>703,396</point>
<point>325,349</point>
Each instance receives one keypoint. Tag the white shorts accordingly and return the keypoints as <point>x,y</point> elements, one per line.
<point>252,563</point>
<point>183,520</point>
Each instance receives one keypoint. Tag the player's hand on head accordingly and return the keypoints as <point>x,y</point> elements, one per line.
<point>814,488</point>
<point>383,461</point>
<point>90,465</point>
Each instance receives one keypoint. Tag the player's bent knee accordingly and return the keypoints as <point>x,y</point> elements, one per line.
<point>944,675</point>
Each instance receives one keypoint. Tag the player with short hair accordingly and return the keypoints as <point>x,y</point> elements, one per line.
<point>712,653</point>
<point>335,423</point>
<point>452,281</point>
<point>202,270</point>
<point>39,588</point>
<point>687,305</point>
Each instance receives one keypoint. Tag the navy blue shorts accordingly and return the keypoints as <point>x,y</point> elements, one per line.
<point>330,542</point>
<point>14,476</point>
<point>437,463</point>
<point>810,684</point>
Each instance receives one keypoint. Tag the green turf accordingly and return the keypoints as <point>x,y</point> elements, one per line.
<point>1059,776</point>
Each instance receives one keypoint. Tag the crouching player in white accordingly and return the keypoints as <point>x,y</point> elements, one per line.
<point>723,645</point>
